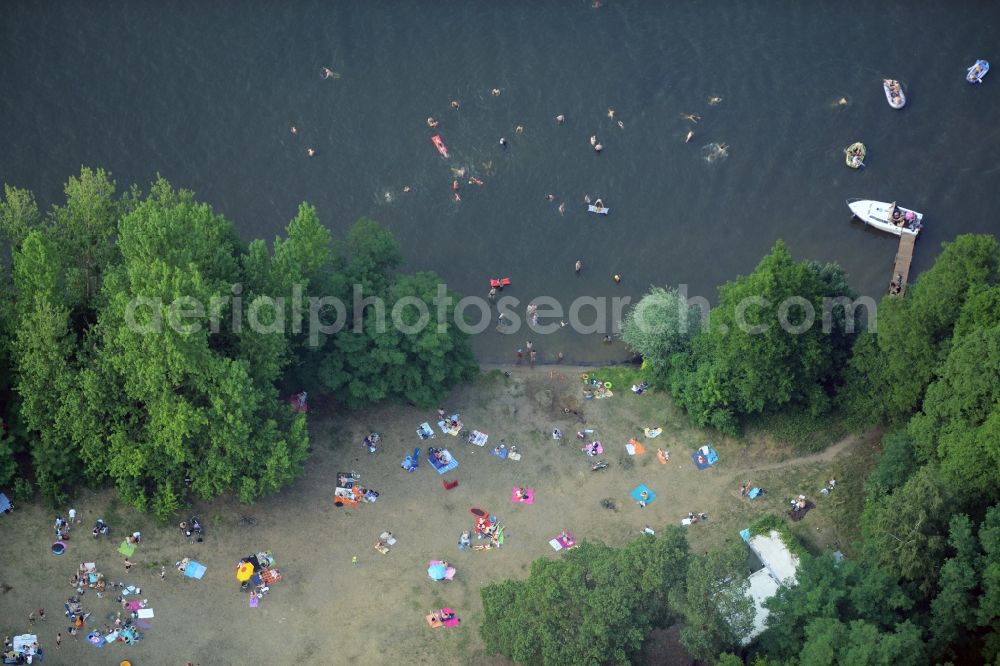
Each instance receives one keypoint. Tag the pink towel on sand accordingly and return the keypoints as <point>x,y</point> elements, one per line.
<point>529,496</point>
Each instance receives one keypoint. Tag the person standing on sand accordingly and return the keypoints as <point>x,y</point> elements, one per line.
<point>579,266</point>
<point>520,356</point>
<point>532,357</point>
<point>58,640</point>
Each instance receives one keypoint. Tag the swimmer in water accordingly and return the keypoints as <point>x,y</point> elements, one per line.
<point>560,119</point>
<point>550,197</point>
<point>431,122</point>
<point>617,278</point>
<point>562,209</point>
<point>328,73</point>
<point>621,124</point>
<point>611,114</point>
<point>712,101</point>
<point>842,101</point>
<point>406,188</point>
<point>503,142</point>
<point>519,129</point>
<point>294,130</point>
<point>579,266</point>
<point>690,116</point>
<point>311,152</point>
<point>455,104</point>
<point>593,140</point>
<point>495,92</point>
<point>689,136</point>
<point>475,181</point>
<point>586,198</point>
<point>454,186</point>
<point>598,148</point>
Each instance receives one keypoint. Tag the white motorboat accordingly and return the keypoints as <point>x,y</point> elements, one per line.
<point>887,217</point>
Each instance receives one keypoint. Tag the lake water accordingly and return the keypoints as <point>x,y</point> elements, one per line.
<point>205,93</point>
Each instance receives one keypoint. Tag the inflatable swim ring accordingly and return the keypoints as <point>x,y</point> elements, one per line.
<point>58,548</point>
<point>607,385</point>
<point>585,377</point>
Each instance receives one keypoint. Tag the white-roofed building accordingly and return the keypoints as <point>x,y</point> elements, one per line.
<point>780,565</point>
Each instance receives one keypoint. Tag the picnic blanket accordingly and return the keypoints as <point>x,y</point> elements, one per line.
<point>449,571</point>
<point>704,457</point>
<point>24,641</point>
<point>593,449</point>
<point>637,494</point>
<point>798,514</point>
<point>501,452</point>
<point>754,492</point>
<point>272,576</point>
<point>634,448</point>
<point>145,613</point>
<point>652,432</point>
<point>411,462</point>
<point>564,541</point>
<point>424,431</point>
<point>449,429</point>
<point>194,570</point>
<point>529,496</point>
<point>438,464</point>
<point>478,438</point>
<point>127,549</point>
<point>95,639</point>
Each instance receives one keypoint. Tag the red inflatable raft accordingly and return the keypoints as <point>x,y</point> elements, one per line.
<point>501,283</point>
<point>439,144</point>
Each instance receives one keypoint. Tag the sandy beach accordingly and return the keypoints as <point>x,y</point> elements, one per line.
<point>327,610</point>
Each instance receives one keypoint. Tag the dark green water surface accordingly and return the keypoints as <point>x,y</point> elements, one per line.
<point>205,92</point>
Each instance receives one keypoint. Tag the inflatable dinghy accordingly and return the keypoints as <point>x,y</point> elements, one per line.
<point>976,73</point>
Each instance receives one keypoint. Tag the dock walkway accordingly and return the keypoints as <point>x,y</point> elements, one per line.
<point>904,255</point>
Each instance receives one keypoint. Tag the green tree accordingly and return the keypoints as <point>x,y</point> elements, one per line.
<point>905,532</point>
<point>718,613</point>
<point>766,348</point>
<point>593,606</point>
<point>957,583</point>
<point>197,414</point>
<point>988,611</point>
<point>404,343</point>
<point>914,332</point>
<point>960,422</point>
<point>897,463</point>
<point>659,326</point>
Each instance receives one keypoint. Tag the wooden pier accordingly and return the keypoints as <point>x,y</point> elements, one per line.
<point>904,255</point>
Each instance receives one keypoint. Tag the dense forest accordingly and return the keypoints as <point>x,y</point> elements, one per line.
<point>925,584</point>
<point>142,343</point>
